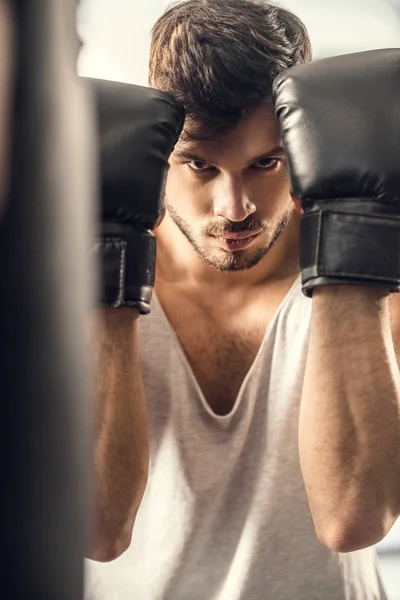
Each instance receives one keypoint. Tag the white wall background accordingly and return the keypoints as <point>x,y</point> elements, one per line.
<point>116,33</point>
<point>116,37</point>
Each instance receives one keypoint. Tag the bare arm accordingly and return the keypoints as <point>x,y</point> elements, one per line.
<point>121,448</point>
<point>349,433</point>
<point>137,128</point>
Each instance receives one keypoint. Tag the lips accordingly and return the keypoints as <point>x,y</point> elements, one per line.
<point>238,236</point>
<point>236,243</point>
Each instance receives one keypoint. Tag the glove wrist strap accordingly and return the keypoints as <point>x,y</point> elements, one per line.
<point>127,260</point>
<point>339,247</point>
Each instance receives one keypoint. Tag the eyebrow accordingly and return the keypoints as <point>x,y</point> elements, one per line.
<point>190,155</point>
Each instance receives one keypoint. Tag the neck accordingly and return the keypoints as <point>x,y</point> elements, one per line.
<point>178,264</point>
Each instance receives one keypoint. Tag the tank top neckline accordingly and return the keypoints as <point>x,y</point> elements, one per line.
<point>224,419</point>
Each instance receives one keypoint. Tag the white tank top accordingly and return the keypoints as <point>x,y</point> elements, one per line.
<point>225,514</point>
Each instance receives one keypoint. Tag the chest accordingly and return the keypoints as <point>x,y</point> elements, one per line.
<point>220,356</point>
<point>220,346</point>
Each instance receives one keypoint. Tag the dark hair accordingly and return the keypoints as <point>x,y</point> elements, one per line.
<point>220,57</point>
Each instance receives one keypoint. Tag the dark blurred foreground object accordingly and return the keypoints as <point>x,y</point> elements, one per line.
<point>44,296</point>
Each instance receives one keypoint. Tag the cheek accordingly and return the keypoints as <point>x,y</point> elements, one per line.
<point>5,92</point>
<point>272,193</point>
<point>187,195</point>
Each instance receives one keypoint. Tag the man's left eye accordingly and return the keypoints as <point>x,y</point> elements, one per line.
<point>266,163</point>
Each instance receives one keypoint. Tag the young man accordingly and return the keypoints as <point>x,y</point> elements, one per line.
<point>268,464</point>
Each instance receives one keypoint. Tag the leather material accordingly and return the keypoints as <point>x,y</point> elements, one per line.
<point>138,128</point>
<point>340,123</point>
<point>118,251</point>
<point>46,290</point>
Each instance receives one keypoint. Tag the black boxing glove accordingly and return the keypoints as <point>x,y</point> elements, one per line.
<point>138,128</point>
<point>340,122</point>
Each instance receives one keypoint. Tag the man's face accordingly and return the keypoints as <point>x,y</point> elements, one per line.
<point>230,197</point>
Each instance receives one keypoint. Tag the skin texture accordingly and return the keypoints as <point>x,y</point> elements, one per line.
<point>6,63</point>
<point>121,448</point>
<point>349,429</point>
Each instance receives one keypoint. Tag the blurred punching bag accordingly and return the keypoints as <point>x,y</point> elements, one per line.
<point>45,292</point>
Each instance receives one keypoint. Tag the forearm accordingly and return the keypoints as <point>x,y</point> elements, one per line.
<point>349,429</point>
<point>121,450</point>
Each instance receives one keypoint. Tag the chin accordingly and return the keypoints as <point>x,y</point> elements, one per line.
<point>241,260</point>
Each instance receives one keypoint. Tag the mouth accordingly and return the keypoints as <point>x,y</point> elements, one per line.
<point>236,241</point>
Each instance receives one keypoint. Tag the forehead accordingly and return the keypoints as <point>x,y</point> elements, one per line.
<point>255,134</point>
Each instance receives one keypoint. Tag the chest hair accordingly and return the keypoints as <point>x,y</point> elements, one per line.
<point>221,340</point>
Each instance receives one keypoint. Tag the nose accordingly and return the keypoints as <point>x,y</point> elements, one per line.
<point>231,201</point>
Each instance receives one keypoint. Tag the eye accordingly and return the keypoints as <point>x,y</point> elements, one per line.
<point>266,164</point>
<point>199,165</point>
